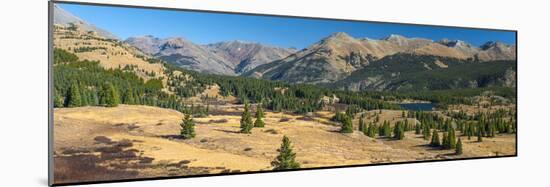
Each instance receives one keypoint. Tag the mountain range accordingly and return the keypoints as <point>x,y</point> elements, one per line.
<point>339,60</point>
<point>227,58</point>
<point>338,55</point>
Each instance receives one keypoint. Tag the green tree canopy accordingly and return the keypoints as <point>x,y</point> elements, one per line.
<point>187,127</point>
<point>286,157</point>
<point>73,97</point>
<point>246,120</point>
<point>259,115</point>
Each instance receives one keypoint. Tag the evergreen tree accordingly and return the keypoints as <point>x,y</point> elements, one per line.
<point>73,96</point>
<point>57,102</point>
<point>398,131</point>
<point>371,130</point>
<point>362,126</point>
<point>109,95</point>
<point>259,115</point>
<point>452,138</point>
<point>435,139</point>
<point>458,149</point>
<point>260,110</point>
<point>246,120</point>
<point>286,157</point>
<point>445,142</point>
<point>128,97</point>
<point>509,128</point>
<point>83,95</point>
<point>187,127</point>
<point>479,136</point>
<point>468,130</point>
<point>347,125</point>
<point>426,131</point>
<point>386,129</point>
<point>94,98</point>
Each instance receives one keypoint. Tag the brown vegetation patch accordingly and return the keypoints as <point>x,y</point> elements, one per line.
<point>305,118</point>
<point>284,119</point>
<point>103,140</point>
<point>218,121</point>
<point>271,131</point>
<point>83,168</point>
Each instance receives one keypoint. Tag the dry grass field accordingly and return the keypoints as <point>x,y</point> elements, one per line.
<point>129,141</point>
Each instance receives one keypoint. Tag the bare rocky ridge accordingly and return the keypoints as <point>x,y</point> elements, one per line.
<point>497,51</point>
<point>244,56</point>
<point>226,58</point>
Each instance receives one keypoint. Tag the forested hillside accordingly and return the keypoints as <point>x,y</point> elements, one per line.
<point>82,82</point>
<point>408,72</point>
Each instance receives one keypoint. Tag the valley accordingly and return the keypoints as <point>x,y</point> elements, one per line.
<point>147,107</point>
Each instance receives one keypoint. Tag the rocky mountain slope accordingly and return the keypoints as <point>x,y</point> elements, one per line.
<point>339,55</point>
<point>227,58</point>
<point>183,53</point>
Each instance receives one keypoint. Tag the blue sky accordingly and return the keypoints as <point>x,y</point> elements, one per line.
<point>204,28</point>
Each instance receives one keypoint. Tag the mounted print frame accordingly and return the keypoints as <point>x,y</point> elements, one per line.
<point>146,93</point>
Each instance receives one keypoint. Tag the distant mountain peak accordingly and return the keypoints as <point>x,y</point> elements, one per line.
<point>338,36</point>
<point>404,41</point>
<point>493,44</point>
<point>454,43</point>
<point>394,37</point>
<point>173,43</point>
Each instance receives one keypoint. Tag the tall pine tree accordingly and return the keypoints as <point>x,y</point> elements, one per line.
<point>187,127</point>
<point>435,139</point>
<point>128,97</point>
<point>347,125</point>
<point>259,115</point>
<point>398,131</point>
<point>362,126</point>
<point>372,130</point>
<point>458,149</point>
<point>286,157</point>
<point>479,136</point>
<point>57,102</point>
<point>109,95</point>
<point>387,129</point>
<point>246,120</point>
<point>73,96</point>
